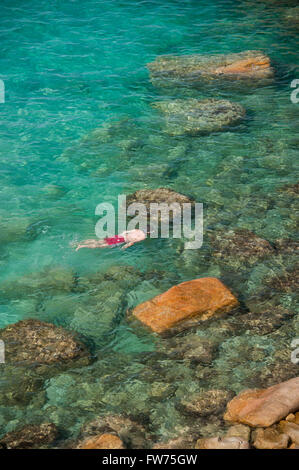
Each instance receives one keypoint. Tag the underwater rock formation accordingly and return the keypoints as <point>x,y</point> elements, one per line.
<point>49,280</point>
<point>159,196</point>
<point>37,342</point>
<point>239,246</point>
<point>30,437</point>
<point>206,403</point>
<point>197,68</point>
<point>191,347</point>
<point>291,15</point>
<point>192,116</point>
<point>262,408</point>
<point>194,300</point>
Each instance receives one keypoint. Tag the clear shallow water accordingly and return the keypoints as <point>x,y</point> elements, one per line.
<point>70,69</point>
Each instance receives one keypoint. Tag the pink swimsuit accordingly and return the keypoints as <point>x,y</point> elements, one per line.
<point>114,240</point>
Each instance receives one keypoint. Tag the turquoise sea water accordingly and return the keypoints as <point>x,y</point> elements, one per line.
<point>77,129</point>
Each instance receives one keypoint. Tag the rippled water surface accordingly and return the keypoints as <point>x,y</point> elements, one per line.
<point>77,129</point>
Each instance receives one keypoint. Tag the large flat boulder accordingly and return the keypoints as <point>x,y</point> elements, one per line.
<point>262,408</point>
<point>198,299</point>
<point>195,68</point>
<point>192,116</point>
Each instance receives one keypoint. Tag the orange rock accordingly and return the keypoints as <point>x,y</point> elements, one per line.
<point>252,65</point>
<point>198,299</point>
<point>103,441</point>
<point>262,408</point>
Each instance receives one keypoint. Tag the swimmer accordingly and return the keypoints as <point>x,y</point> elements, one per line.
<point>128,238</point>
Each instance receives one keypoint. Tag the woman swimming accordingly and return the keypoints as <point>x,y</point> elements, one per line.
<point>128,237</point>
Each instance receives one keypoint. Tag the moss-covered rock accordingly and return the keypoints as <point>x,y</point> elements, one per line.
<point>192,116</point>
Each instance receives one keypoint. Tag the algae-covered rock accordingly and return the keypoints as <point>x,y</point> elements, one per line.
<point>191,347</point>
<point>239,246</point>
<point>50,280</point>
<point>30,437</point>
<point>207,402</point>
<point>160,196</point>
<point>198,68</point>
<point>97,315</point>
<point>36,342</point>
<point>291,16</point>
<point>192,116</point>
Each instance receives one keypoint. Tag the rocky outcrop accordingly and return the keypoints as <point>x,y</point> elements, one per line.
<point>185,304</point>
<point>198,68</point>
<point>262,408</point>
<point>103,441</point>
<point>222,443</point>
<point>30,437</point>
<point>239,246</point>
<point>36,342</point>
<point>192,116</point>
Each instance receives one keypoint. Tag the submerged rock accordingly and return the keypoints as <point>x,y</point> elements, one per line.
<point>207,402</point>
<point>291,189</point>
<point>222,443</point>
<point>160,196</point>
<point>286,245</point>
<point>287,281</point>
<point>176,443</point>
<point>239,246</point>
<point>198,68</point>
<point>30,437</point>
<point>192,347</point>
<point>291,15</point>
<point>47,281</point>
<point>103,441</point>
<point>37,342</point>
<point>194,116</point>
<point>185,304</point>
<point>262,408</point>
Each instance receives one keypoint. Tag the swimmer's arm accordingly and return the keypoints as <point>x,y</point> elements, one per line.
<point>127,245</point>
